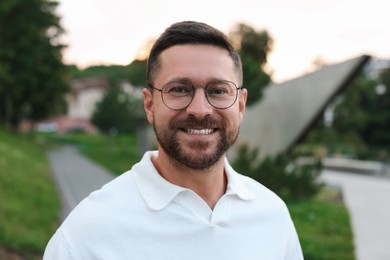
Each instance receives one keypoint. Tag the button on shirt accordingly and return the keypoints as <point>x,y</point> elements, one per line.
<point>140,215</point>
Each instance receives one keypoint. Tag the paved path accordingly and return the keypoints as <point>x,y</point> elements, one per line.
<point>76,176</point>
<point>366,197</point>
<point>368,201</point>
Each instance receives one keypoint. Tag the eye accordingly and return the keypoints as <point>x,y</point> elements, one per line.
<point>216,91</point>
<point>178,89</point>
<point>220,89</point>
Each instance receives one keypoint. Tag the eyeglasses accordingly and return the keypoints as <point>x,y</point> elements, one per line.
<point>178,94</point>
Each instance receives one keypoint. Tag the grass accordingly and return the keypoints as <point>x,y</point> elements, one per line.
<point>116,154</point>
<point>324,228</point>
<point>29,202</point>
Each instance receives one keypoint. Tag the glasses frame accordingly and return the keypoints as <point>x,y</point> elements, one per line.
<point>194,88</point>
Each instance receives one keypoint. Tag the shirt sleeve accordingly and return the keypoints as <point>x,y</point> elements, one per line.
<point>58,248</point>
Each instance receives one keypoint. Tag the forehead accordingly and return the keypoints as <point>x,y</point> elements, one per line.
<point>196,62</point>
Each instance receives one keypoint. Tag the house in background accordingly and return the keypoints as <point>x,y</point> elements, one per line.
<point>81,102</point>
<point>85,94</point>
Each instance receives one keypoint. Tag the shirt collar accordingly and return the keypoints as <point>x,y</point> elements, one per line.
<point>236,185</point>
<point>158,192</point>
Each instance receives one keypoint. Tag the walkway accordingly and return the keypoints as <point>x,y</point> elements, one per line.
<point>367,198</point>
<point>76,176</point>
<point>368,201</point>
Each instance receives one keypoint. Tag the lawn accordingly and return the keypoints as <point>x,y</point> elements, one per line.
<point>324,228</point>
<point>29,202</point>
<point>117,154</point>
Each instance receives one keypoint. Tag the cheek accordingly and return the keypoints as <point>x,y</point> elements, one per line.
<point>162,116</point>
<point>234,115</point>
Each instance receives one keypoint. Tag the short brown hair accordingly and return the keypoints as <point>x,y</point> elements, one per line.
<point>190,32</point>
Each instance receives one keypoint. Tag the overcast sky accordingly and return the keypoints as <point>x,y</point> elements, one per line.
<point>113,32</point>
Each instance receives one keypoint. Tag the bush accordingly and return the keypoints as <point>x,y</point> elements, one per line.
<point>120,111</point>
<point>288,177</point>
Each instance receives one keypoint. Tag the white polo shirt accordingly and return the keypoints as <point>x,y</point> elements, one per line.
<point>140,215</point>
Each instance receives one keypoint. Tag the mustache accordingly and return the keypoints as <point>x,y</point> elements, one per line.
<point>193,122</point>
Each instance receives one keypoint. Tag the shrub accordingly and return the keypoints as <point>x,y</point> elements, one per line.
<point>289,177</point>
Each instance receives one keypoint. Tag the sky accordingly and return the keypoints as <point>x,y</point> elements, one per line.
<point>116,31</point>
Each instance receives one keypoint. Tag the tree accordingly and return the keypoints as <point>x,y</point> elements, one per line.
<point>376,132</point>
<point>361,123</point>
<point>351,114</point>
<point>137,72</point>
<point>32,75</point>
<point>253,47</point>
<point>117,110</point>
<point>111,72</point>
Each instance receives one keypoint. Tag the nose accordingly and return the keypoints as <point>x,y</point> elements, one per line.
<point>199,106</point>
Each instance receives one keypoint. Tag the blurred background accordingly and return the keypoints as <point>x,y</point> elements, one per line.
<point>71,73</point>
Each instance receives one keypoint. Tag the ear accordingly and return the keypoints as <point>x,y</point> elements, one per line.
<point>243,95</point>
<point>148,104</point>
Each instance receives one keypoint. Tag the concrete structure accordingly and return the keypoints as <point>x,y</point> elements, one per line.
<point>288,110</point>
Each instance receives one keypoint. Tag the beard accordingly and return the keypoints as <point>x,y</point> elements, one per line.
<point>198,160</point>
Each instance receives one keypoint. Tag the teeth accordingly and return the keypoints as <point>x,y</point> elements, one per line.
<point>200,131</point>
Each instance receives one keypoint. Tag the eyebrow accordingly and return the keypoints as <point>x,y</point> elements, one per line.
<point>186,79</point>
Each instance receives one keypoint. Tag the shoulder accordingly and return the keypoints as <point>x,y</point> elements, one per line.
<point>120,194</point>
<point>259,195</point>
<point>98,219</point>
<point>101,202</point>
<point>259,189</point>
<point>247,187</point>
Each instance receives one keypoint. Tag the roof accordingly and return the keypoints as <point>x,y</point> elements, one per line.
<point>289,109</point>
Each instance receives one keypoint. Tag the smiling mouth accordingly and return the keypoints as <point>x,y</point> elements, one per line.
<point>199,131</point>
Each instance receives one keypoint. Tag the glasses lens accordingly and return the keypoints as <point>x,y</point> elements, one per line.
<point>221,94</point>
<point>177,94</point>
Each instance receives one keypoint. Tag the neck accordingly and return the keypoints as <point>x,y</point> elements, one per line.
<point>210,184</point>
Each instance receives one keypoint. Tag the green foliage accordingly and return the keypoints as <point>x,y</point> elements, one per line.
<point>29,203</point>
<point>137,72</point>
<point>360,128</point>
<point>255,79</point>
<point>351,114</point>
<point>115,153</point>
<point>112,72</point>
<point>376,132</point>
<point>327,141</point>
<point>253,47</point>
<point>324,229</point>
<point>256,44</point>
<point>286,176</point>
<point>32,75</point>
<point>120,111</point>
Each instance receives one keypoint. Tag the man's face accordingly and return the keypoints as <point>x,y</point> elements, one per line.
<point>198,135</point>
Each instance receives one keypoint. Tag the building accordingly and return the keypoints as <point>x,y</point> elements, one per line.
<point>85,94</point>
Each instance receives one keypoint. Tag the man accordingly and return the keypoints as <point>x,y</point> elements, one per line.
<point>184,201</point>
